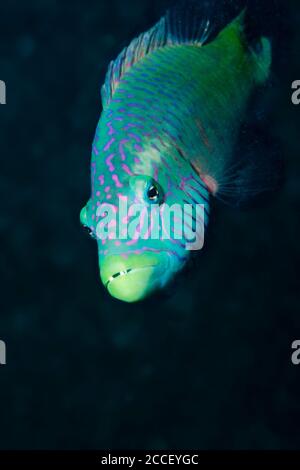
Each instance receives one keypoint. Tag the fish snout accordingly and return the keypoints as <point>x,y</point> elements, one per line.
<point>135,277</point>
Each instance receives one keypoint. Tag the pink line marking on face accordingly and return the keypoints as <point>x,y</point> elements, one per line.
<point>134,136</point>
<point>127,169</point>
<point>107,189</point>
<point>137,160</point>
<point>93,179</point>
<point>121,149</point>
<point>108,162</point>
<point>98,193</point>
<point>101,179</point>
<point>131,125</point>
<point>115,178</point>
<point>108,196</point>
<point>111,129</point>
<point>96,152</point>
<point>117,243</point>
<point>182,184</point>
<point>109,144</point>
<point>138,148</point>
<point>132,242</point>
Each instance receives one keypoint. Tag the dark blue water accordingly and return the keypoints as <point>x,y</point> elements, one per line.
<point>207,367</point>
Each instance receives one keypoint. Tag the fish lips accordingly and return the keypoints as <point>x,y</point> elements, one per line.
<point>135,277</point>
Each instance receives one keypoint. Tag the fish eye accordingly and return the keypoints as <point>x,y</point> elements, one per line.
<point>147,189</point>
<point>154,194</point>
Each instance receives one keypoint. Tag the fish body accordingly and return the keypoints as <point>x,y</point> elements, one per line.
<point>173,105</point>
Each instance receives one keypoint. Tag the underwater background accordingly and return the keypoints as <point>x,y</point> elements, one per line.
<point>206,367</point>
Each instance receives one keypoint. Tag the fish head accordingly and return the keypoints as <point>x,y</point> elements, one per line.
<point>140,234</point>
<point>137,213</point>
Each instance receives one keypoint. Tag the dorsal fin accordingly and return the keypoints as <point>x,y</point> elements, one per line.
<point>188,22</point>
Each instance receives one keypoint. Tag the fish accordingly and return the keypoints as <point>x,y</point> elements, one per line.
<point>174,102</point>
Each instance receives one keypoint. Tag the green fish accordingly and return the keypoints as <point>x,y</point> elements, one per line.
<point>173,104</point>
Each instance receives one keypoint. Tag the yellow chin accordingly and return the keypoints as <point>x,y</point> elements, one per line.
<point>134,278</point>
<point>134,285</point>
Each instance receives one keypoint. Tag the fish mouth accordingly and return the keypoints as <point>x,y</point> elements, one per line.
<point>120,273</point>
<point>135,278</point>
<point>125,272</point>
